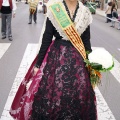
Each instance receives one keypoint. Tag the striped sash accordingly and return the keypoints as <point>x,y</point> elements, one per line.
<point>68,27</point>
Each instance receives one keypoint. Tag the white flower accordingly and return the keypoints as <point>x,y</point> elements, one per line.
<point>102,57</point>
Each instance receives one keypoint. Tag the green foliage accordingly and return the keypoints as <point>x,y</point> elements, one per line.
<point>95,70</point>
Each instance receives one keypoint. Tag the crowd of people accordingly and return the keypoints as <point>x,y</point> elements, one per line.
<point>8,10</point>
<point>112,14</point>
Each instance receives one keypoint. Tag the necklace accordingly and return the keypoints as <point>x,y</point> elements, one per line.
<point>71,13</point>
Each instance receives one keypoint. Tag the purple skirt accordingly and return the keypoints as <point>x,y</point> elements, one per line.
<point>65,91</point>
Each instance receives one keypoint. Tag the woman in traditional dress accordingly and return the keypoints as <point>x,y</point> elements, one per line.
<point>61,87</point>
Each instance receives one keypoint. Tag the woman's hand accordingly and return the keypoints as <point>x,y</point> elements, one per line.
<point>28,84</point>
<point>35,71</point>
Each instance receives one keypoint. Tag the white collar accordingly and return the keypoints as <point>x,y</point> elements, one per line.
<point>82,20</point>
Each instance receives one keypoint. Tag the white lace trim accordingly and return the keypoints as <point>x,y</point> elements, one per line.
<point>82,20</point>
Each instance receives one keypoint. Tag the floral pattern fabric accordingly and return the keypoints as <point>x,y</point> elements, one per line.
<point>65,91</point>
<point>21,107</point>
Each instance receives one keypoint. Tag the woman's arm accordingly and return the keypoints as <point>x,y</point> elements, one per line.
<point>46,41</point>
<point>86,39</point>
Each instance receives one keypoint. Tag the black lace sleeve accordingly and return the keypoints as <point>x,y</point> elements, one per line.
<point>86,39</point>
<point>46,41</point>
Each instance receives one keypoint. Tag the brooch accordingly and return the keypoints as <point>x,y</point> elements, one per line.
<point>57,9</point>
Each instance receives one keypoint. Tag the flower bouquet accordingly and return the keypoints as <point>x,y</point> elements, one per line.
<point>98,61</point>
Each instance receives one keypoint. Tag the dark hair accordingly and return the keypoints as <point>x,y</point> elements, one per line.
<point>113,7</point>
<point>110,3</point>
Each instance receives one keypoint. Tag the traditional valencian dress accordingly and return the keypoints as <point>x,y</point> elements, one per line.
<point>61,89</point>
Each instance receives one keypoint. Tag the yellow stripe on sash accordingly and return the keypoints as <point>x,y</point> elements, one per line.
<point>75,40</point>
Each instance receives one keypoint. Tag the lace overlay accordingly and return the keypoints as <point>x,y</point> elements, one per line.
<point>65,92</point>
<point>82,20</point>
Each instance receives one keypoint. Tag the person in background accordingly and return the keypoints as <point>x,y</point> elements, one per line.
<point>114,15</point>
<point>108,12</point>
<point>33,10</point>
<point>26,2</point>
<point>44,8</point>
<point>7,9</point>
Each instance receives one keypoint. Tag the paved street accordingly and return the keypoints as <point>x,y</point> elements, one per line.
<point>16,56</point>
